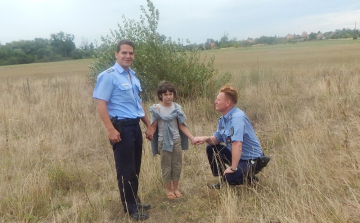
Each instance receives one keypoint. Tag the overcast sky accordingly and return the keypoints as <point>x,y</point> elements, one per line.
<point>196,20</point>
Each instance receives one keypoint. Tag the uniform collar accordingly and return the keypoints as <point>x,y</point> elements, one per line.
<point>228,115</point>
<point>121,70</point>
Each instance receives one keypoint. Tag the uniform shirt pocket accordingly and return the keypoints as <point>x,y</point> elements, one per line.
<point>226,136</point>
<point>123,91</point>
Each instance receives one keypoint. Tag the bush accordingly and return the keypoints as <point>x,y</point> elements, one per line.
<point>77,54</point>
<point>158,59</point>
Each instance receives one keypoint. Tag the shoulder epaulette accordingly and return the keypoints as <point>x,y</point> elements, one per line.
<point>110,70</point>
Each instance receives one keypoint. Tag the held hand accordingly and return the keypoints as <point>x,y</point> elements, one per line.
<point>149,137</point>
<point>228,170</point>
<point>149,134</point>
<point>114,136</point>
<point>195,141</point>
<point>198,140</point>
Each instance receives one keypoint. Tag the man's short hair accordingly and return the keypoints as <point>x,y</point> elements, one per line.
<point>163,87</point>
<point>230,92</point>
<point>124,42</point>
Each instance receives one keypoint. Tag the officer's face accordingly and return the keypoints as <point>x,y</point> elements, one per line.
<point>221,102</point>
<point>125,56</point>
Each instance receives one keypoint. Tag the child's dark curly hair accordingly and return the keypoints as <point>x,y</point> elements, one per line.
<point>165,86</point>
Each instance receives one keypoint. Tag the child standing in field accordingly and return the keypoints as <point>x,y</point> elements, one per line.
<point>170,137</point>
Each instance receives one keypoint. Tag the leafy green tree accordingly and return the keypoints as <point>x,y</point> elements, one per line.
<point>312,36</point>
<point>77,54</point>
<point>62,43</point>
<point>159,58</point>
<point>42,50</point>
<point>86,50</point>
<point>266,40</point>
<point>224,41</point>
<point>17,52</point>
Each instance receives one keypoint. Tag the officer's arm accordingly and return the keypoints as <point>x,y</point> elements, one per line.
<point>113,134</point>
<point>235,157</point>
<point>146,122</point>
<point>235,154</point>
<point>211,140</point>
<point>153,127</point>
<point>145,119</point>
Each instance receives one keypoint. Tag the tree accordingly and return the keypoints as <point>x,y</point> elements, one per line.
<point>62,43</point>
<point>266,40</point>
<point>42,50</point>
<point>224,41</point>
<point>159,59</point>
<point>77,54</point>
<point>86,50</point>
<point>312,36</point>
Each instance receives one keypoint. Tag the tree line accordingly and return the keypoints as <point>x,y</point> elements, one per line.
<point>60,46</point>
<point>225,42</point>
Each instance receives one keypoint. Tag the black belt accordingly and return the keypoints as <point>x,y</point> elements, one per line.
<point>126,121</point>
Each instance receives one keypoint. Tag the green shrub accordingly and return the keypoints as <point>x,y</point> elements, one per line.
<point>159,58</point>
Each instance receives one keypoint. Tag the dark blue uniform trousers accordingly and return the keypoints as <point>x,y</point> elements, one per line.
<point>219,155</point>
<point>127,155</point>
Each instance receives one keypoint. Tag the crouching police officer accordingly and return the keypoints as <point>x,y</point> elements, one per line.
<point>239,149</point>
<point>120,108</point>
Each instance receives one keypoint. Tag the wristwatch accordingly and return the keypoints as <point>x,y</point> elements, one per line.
<point>233,170</point>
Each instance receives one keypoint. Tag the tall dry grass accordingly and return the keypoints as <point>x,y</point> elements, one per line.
<point>56,163</point>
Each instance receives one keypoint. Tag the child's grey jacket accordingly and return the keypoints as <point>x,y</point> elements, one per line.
<point>168,129</point>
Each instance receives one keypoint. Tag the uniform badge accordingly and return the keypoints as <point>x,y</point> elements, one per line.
<point>110,70</point>
<point>230,117</point>
<point>232,131</point>
<point>228,140</point>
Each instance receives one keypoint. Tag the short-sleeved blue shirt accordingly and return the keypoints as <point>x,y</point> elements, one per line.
<point>122,95</point>
<point>235,126</point>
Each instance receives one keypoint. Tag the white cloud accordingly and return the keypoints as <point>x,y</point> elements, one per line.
<point>196,20</point>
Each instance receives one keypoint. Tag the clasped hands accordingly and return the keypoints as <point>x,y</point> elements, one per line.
<point>199,140</point>
<point>149,134</point>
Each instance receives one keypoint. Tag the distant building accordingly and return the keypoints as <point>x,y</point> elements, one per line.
<point>251,40</point>
<point>320,36</point>
<point>304,35</point>
<point>289,36</point>
<point>331,35</point>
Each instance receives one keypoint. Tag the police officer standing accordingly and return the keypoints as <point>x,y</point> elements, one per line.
<point>120,108</point>
<point>239,149</point>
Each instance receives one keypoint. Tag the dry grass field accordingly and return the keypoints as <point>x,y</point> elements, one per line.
<point>56,164</point>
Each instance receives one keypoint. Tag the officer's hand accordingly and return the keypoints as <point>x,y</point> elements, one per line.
<point>198,140</point>
<point>114,135</point>
<point>148,137</point>
<point>149,134</point>
<point>228,170</point>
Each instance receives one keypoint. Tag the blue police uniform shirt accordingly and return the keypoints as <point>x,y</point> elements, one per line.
<point>122,95</point>
<point>235,126</point>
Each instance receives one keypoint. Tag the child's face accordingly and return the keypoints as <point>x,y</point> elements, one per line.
<point>167,97</point>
